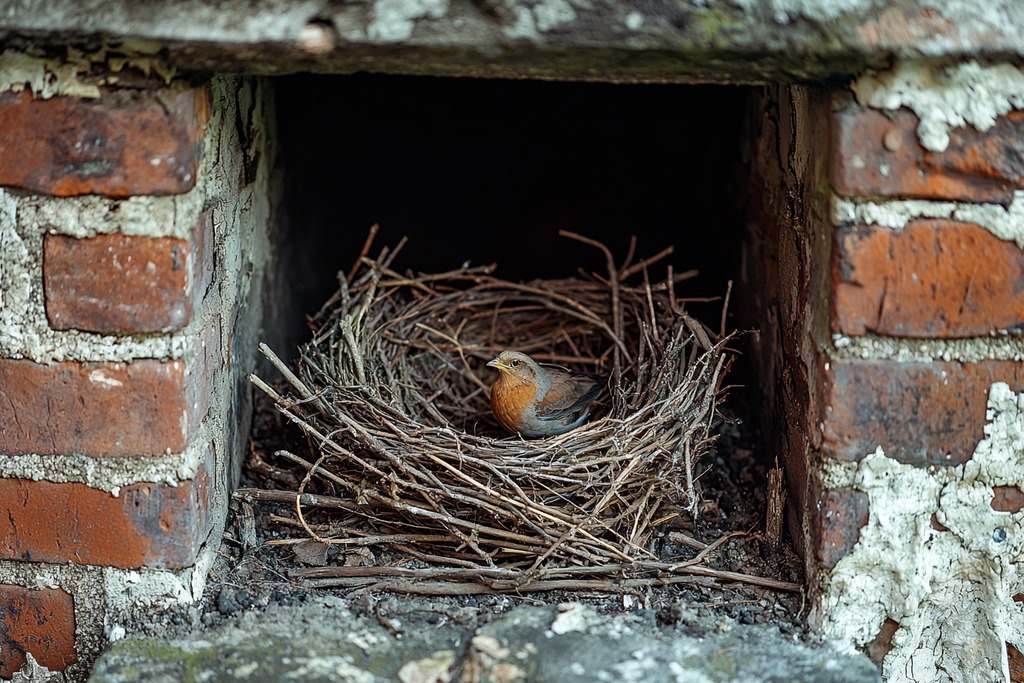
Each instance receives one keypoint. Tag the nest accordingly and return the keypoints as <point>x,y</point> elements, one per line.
<point>393,393</point>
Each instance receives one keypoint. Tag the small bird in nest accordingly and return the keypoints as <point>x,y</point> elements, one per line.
<point>536,399</point>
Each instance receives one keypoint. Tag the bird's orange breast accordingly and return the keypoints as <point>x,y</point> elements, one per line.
<point>509,400</point>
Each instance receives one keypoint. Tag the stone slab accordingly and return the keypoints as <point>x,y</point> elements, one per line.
<point>325,640</point>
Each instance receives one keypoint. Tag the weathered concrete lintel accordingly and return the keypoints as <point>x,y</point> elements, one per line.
<point>614,65</point>
<point>708,41</point>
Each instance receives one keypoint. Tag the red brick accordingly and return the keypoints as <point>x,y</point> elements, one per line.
<point>976,167</point>
<point>838,517</point>
<point>1007,499</point>
<point>153,525</point>
<point>879,646</point>
<point>1015,662</point>
<point>143,408</point>
<point>127,142</point>
<point>123,284</point>
<point>38,621</point>
<point>921,413</point>
<point>935,278</point>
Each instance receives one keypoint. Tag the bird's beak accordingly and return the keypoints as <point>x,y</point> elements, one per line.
<point>495,364</point>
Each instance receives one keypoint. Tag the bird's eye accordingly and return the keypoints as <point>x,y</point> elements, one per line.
<point>515,363</point>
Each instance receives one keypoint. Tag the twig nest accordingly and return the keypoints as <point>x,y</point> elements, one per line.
<point>393,390</point>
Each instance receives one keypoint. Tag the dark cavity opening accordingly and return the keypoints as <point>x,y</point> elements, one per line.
<point>489,171</point>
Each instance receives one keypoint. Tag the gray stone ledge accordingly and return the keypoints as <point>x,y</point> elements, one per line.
<point>325,640</point>
<point>659,40</point>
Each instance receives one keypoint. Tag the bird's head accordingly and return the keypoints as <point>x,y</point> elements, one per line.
<point>515,364</point>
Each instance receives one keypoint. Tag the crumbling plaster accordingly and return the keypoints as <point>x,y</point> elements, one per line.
<point>26,218</point>
<point>948,589</point>
<point>1005,222</point>
<point>945,97</point>
<point>108,598</point>
<point>241,218</point>
<point>935,556</point>
<point>951,589</point>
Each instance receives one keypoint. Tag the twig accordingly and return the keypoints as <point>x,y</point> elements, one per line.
<point>363,252</point>
<point>613,285</point>
<point>725,310</point>
<point>637,267</point>
<point>309,499</point>
<point>459,582</point>
<point>298,499</point>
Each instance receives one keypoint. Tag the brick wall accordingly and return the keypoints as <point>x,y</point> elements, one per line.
<point>888,285</point>
<point>891,356</point>
<point>134,232</point>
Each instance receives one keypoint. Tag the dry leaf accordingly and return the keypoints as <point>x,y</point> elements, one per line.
<point>311,552</point>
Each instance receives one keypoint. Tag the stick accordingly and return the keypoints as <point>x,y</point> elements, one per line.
<point>363,252</point>
<point>613,281</point>
<point>416,585</point>
<point>637,267</point>
<point>725,309</point>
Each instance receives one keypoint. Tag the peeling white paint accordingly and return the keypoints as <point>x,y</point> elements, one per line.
<point>107,474</point>
<point>787,11</point>
<point>950,591</point>
<point>44,78</point>
<point>634,21</point>
<point>1000,346</point>
<point>945,97</point>
<point>114,632</point>
<point>531,21</point>
<point>101,378</point>
<point>91,215</point>
<point>46,580</point>
<point>551,14</point>
<point>1005,222</point>
<point>128,591</point>
<point>395,20</point>
<point>131,595</point>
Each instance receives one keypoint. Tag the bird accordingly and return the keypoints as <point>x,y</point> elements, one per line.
<point>536,399</point>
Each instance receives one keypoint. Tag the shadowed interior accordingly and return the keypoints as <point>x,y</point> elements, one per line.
<point>488,171</point>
